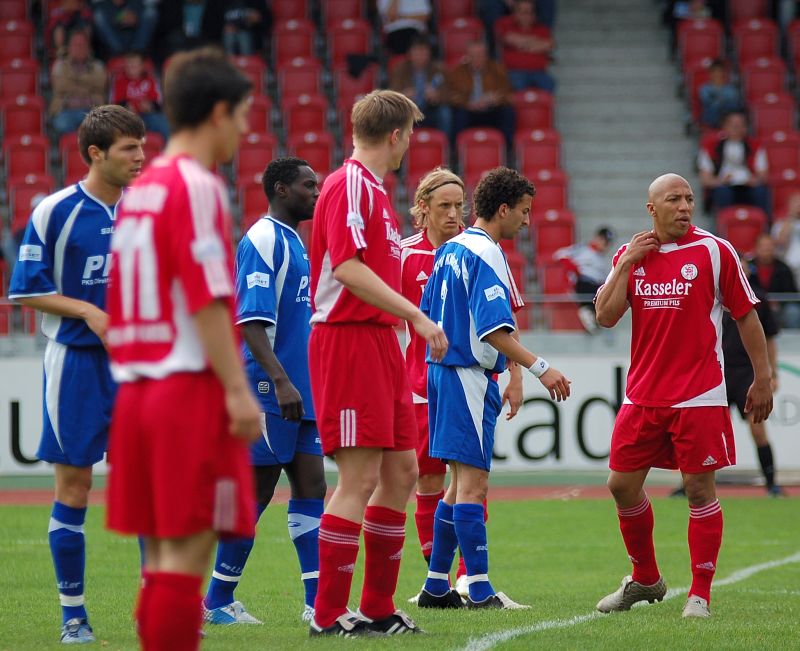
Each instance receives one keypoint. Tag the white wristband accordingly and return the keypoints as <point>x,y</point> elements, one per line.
<point>539,367</point>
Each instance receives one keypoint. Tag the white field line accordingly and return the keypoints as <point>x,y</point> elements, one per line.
<point>493,639</point>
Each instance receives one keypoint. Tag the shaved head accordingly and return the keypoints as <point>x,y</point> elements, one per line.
<point>659,185</point>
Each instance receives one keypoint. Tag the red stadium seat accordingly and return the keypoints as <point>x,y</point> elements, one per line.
<point>783,149</point>
<point>299,76</point>
<point>554,278</point>
<point>335,11</point>
<point>428,149</point>
<point>26,154</point>
<point>289,9</point>
<point>783,184</point>
<point>255,151</point>
<point>480,149</point>
<point>456,35</point>
<point>254,68</point>
<point>153,145</point>
<point>763,76</point>
<point>756,38</point>
<point>695,74</point>
<point>253,202</point>
<point>518,266</point>
<point>316,147</point>
<point>348,87</point>
<point>292,38</point>
<point>700,39</point>
<point>739,10</point>
<point>537,149</point>
<point>793,42</point>
<point>551,189</point>
<point>19,77</point>
<point>17,39</point>
<point>13,10</point>
<point>17,319</point>
<point>73,166</point>
<point>21,115</point>
<point>260,116</point>
<point>534,109</point>
<point>349,36</point>
<point>344,106</point>
<point>773,113</point>
<point>551,229</point>
<point>305,113</point>
<point>304,231</point>
<point>448,10</point>
<point>741,226</point>
<point>23,193</point>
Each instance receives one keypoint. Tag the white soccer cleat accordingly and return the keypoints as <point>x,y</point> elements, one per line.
<point>696,607</point>
<point>415,598</point>
<point>233,613</point>
<point>462,587</point>
<point>631,592</point>
<point>308,614</point>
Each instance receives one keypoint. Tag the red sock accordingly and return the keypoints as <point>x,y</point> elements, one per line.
<point>426,507</point>
<point>384,535</point>
<point>462,569</point>
<point>338,551</point>
<point>636,525</point>
<point>705,539</point>
<point>173,614</point>
<point>140,612</point>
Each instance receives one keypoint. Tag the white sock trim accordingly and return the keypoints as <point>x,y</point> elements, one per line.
<point>309,575</point>
<point>441,576</point>
<point>477,578</point>
<point>71,600</point>
<point>55,525</point>
<point>225,577</point>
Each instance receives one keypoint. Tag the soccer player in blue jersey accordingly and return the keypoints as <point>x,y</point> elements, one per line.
<point>272,287</point>
<point>468,296</point>
<point>62,271</point>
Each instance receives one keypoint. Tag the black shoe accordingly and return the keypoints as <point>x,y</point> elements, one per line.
<point>347,625</point>
<point>449,599</point>
<point>776,491</point>
<point>397,623</point>
<point>500,601</point>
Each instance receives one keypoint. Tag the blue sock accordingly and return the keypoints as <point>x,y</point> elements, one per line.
<point>471,531</point>
<point>304,518</point>
<point>231,559</point>
<point>140,540</point>
<point>443,551</point>
<point>68,547</point>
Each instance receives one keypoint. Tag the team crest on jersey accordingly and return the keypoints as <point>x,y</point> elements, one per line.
<point>689,271</point>
<point>32,252</point>
<point>263,387</point>
<point>639,271</point>
<point>493,292</point>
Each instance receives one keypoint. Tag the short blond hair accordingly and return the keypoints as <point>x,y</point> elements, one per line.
<point>428,184</point>
<point>380,112</point>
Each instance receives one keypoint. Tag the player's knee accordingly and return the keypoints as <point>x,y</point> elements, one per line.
<point>699,492</point>
<point>622,491</point>
<point>429,484</point>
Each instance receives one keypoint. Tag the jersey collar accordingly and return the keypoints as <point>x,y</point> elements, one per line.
<point>372,176</point>
<point>110,210</point>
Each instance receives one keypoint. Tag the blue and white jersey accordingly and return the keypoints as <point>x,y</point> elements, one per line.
<point>468,296</point>
<point>272,274</point>
<point>65,250</point>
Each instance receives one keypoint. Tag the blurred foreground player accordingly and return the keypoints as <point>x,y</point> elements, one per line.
<point>358,379</point>
<point>63,272</point>
<point>469,294</point>
<point>677,278</point>
<point>180,470</point>
<point>272,277</point>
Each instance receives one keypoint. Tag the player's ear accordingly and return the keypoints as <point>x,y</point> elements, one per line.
<point>95,153</point>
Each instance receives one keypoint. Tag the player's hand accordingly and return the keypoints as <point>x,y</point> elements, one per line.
<point>97,320</point>
<point>759,400</point>
<point>244,413</point>
<point>642,244</point>
<point>433,335</point>
<point>289,400</point>
<point>513,395</point>
<point>556,383</point>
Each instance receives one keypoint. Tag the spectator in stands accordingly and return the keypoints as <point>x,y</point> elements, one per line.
<point>65,17</point>
<point>421,78</point>
<point>480,93</point>
<point>733,166</point>
<point>786,233</point>
<point>775,277</point>
<point>691,10</point>
<point>243,25</point>
<point>403,20</point>
<point>589,266</point>
<point>136,88</point>
<point>79,83</point>
<point>124,25</point>
<point>718,96</point>
<point>526,45</point>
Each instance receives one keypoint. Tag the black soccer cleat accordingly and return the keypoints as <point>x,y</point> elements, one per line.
<point>347,625</point>
<point>449,599</point>
<point>398,623</point>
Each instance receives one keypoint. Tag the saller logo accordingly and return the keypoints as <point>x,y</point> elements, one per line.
<point>493,292</point>
<point>672,288</point>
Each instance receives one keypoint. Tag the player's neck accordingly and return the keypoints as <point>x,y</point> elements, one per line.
<point>281,215</point>
<point>191,143</point>
<point>435,238</point>
<point>100,189</point>
<point>375,160</point>
<point>492,227</point>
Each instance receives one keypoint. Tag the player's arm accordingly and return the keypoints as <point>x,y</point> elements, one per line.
<point>73,308</point>
<point>772,353</point>
<point>366,285</point>
<point>759,395</point>
<point>513,391</point>
<point>552,379</point>
<point>214,327</point>
<point>289,398</point>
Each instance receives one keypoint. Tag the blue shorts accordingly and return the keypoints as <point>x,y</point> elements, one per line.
<point>463,406</point>
<point>281,439</point>
<point>78,398</point>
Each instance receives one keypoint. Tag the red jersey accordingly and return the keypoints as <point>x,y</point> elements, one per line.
<point>416,261</point>
<point>353,217</point>
<point>172,256</point>
<point>677,295</point>
<point>514,59</point>
<point>132,92</point>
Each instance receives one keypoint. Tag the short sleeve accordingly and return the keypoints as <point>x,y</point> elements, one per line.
<point>33,272</point>
<point>347,216</point>
<point>737,295</point>
<point>489,301</point>
<point>255,284</point>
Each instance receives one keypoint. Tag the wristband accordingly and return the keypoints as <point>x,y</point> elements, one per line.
<point>539,367</point>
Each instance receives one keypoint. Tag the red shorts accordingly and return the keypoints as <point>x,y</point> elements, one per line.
<point>694,439</point>
<point>176,469</point>
<point>427,464</point>
<point>360,388</point>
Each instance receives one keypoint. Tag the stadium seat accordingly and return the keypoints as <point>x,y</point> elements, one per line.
<point>254,68</point>
<point>299,76</point>
<point>518,266</point>
<point>700,39</point>
<point>116,65</point>
<point>17,39</point>
<point>255,151</point>
<point>335,11</point>
<point>13,10</point>
<point>348,36</point>
<point>783,184</point>
<point>783,149</point>
<point>739,10</point>
<point>428,149</point>
<point>289,9</point>
<point>304,231</point>
<point>534,109</point>
<point>23,193</point>
<point>260,116</point>
<point>253,202</point>
<point>480,149</point>
<point>537,149</point>
<point>456,34</point>
<point>26,154</point>
<point>153,145</point>
<point>344,106</point>
<point>554,279</point>
<point>21,115</point>
<point>316,147</point>
<point>347,87</point>
<point>551,189</point>
<point>448,10</point>
<point>695,74</point>
<point>292,38</point>
<point>73,167</point>
<point>763,76</point>
<point>741,226</point>
<point>772,113</point>
<point>305,113</point>
<point>551,230</point>
<point>390,185</point>
<point>793,44</point>
<point>19,77</point>
<point>756,38</point>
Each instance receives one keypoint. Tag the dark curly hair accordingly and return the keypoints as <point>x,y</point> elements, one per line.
<point>501,185</point>
<point>281,170</point>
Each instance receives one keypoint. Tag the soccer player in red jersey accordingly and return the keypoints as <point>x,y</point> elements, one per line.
<point>180,466</point>
<point>359,385</point>
<point>677,279</point>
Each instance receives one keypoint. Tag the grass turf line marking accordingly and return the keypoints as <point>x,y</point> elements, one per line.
<point>493,639</point>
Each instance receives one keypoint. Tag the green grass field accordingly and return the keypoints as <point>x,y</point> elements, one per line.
<point>559,556</point>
